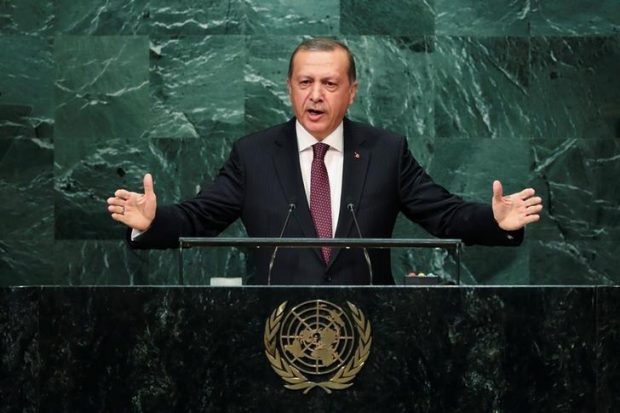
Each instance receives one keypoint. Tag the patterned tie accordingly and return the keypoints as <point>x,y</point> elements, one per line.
<point>320,198</point>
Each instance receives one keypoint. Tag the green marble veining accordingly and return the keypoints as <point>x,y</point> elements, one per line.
<point>266,96</point>
<point>85,177</point>
<point>576,176</point>
<point>101,87</point>
<point>95,262</point>
<point>476,18</point>
<point>196,86</point>
<point>481,87</point>
<point>27,187</point>
<point>26,87</point>
<point>31,17</point>
<point>95,94</point>
<point>575,18</point>
<point>102,17</point>
<point>392,18</point>
<point>195,17</point>
<point>574,87</point>
<point>319,17</point>
<point>27,262</point>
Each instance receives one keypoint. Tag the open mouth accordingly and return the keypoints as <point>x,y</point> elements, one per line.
<point>315,113</point>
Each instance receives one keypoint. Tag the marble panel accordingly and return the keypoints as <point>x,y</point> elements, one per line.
<point>394,18</point>
<point>482,87</point>
<point>197,87</point>
<point>582,262</point>
<point>549,359</point>
<point>27,262</point>
<point>89,262</point>
<point>573,87</point>
<point>19,346</point>
<point>26,87</point>
<point>319,17</point>
<point>27,188</point>
<point>265,76</point>
<point>101,87</point>
<point>468,167</point>
<point>86,175</point>
<point>574,17</point>
<point>102,17</point>
<point>196,17</point>
<point>573,177</point>
<point>26,17</point>
<point>395,87</point>
<point>475,18</point>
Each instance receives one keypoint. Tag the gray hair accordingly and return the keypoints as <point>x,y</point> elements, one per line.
<point>324,44</point>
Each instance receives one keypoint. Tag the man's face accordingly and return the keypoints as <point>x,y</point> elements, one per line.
<point>320,90</point>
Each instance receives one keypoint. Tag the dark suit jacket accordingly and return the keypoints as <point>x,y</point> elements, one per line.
<point>262,177</point>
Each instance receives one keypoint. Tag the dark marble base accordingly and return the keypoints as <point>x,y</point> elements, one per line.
<point>435,349</point>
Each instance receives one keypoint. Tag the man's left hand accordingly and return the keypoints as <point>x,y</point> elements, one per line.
<point>515,211</point>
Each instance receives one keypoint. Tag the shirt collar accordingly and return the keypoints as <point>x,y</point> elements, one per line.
<point>305,140</point>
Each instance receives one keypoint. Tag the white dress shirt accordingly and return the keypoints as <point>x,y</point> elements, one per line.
<point>333,162</point>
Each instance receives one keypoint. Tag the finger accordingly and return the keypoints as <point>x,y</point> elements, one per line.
<point>534,209</point>
<point>119,218</point>
<point>123,194</point>
<point>498,191</point>
<point>531,219</point>
<point>116,201</point>
<point>533,201</point>
<point>526,193</point>
<point>116,209</point>
<point>148,185</point>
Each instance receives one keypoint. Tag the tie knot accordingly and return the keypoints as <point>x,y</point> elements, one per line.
<point>320,149</point>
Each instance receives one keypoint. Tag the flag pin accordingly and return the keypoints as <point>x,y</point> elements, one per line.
<point>356,155</point>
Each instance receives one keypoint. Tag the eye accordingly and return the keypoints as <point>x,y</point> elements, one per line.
<point>305,82</point>
<point>330,85</point>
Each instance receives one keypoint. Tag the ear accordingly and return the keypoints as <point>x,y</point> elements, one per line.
<point>353,92</point>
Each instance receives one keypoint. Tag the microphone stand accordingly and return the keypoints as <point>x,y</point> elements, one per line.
<point>359,233</point>
<point>291,208</point>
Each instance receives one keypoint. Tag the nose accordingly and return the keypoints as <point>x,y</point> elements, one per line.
<point>316,93</point>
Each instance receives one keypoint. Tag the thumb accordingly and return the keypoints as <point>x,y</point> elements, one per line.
<point>148,185</point>
<point>498,191</point>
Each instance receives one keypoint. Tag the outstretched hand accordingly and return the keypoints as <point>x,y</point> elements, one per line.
<point>135,210</point>
<point>515,211</point>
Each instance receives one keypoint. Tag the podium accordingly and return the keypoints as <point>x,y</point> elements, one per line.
<point>202,349</point>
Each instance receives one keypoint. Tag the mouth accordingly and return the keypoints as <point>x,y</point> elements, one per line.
<point>314,114</point>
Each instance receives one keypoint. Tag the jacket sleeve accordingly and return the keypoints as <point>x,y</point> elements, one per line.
<point>443,214</point>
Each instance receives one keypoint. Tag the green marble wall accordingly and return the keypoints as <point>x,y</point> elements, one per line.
<point>94,94</point>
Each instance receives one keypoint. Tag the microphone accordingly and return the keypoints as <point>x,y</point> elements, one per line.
<point>291,208</point>
<point>359,233</point>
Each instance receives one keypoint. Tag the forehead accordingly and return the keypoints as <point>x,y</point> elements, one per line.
<point>320,62</point>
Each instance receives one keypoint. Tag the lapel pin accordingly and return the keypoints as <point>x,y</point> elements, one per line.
<point>356,155</point>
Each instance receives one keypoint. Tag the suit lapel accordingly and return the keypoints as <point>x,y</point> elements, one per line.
<point>286,163</point>
<point>355,168</point>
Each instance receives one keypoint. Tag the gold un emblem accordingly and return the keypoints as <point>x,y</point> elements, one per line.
<point>317,344</point>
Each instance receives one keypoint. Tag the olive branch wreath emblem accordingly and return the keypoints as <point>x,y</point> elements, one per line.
<point>294,378</point>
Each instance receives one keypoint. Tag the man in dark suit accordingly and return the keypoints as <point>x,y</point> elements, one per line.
<point>325,165</point>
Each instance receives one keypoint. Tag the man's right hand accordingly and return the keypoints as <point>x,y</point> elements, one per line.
<point>135,210</point>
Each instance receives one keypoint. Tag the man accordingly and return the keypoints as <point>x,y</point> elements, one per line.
<point>322,162</point>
